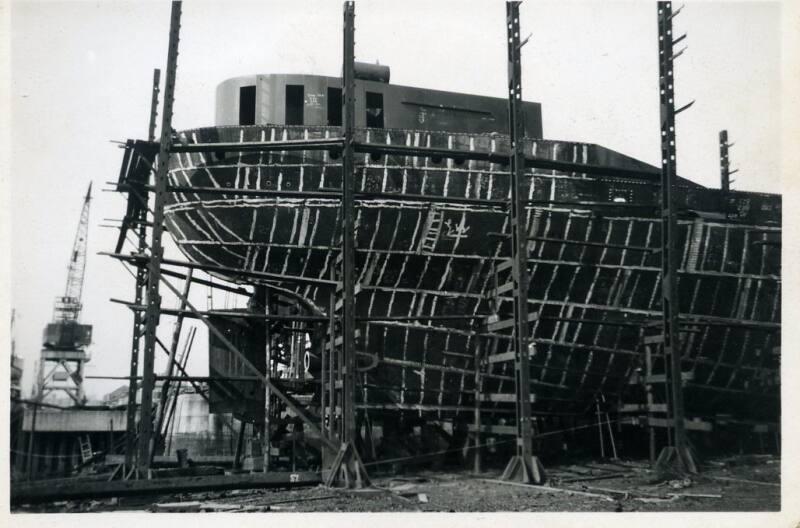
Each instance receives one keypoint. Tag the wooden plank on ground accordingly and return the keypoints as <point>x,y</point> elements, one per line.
<point>44,491</point>
<point>549,489</point>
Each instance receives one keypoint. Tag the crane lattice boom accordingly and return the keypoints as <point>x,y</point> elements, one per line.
<point>68,307</point>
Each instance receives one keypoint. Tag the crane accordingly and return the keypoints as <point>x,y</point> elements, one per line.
<point>65,338</point>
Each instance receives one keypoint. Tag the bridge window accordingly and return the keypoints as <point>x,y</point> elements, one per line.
<point>334,107</point>
<point>374,110</point>
<point>294,104</point>
<point>247,105</point>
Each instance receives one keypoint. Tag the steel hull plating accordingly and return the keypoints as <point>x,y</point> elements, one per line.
<point>418,258</point>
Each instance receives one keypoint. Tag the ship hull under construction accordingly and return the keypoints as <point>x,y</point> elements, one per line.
<point>595,268</point>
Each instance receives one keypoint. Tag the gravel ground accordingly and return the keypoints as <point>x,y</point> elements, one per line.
<point>620,486</point>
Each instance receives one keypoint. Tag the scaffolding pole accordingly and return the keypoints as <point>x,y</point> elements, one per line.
<point>347,469</point>
<point>676,457</point>
<point>153,298</point>
<point>141,281</point>
<point>725,171</point>
<point>523,466</point>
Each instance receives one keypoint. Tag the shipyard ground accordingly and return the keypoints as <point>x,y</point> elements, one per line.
<point>744,483</point>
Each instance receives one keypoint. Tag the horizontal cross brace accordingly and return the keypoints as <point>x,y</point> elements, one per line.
<point>643,407</point>
<point>495,429</point>
<point>592,322</point>
<point>691,425</point>
<point>637,378</point>
<point>307,318</point>
<point>662,378</point>
<point>231,315</point>
<point>248,146</point>
<point>143,259</point>
<point>335,194</point>
<point>595,244</point>
<point>502,397</point>
<point>501,158</point>
<point>710,320</point>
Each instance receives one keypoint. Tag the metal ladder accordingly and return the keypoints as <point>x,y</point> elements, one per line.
<point>694,245</point>
<point>86,448</point>
<point>433,227</point>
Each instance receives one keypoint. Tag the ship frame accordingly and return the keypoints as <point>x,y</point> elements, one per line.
<point>341,443</point>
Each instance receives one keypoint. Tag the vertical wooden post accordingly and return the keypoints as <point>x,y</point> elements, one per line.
<point>677,457</point>
<point>524,466</point>
<point>648,387</point>
<point>724,162</point>
<point>725,171</point>
<point>348,225</point>
<point>237,458</point>
<point>477,412</point>
<point>323,393</point>
<point>348,469</point>
<point>264,299</point>
<point>153,309</point>
<point>332,373</point>
<point>141,281</point>
<point>31,436</point>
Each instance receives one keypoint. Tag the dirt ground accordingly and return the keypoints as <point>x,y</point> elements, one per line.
<point>749,483</point>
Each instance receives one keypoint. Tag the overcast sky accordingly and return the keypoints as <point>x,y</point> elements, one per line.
<point>81,75</point>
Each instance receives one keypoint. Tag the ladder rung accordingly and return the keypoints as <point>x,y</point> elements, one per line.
<point>499,358</point>
<point>509,323</point>
<point>662,378</point>
<point>654,339</point>
<point>503,288</point>
<point>506,264</point>
<point>340,302</point>
<point>338,341</point>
